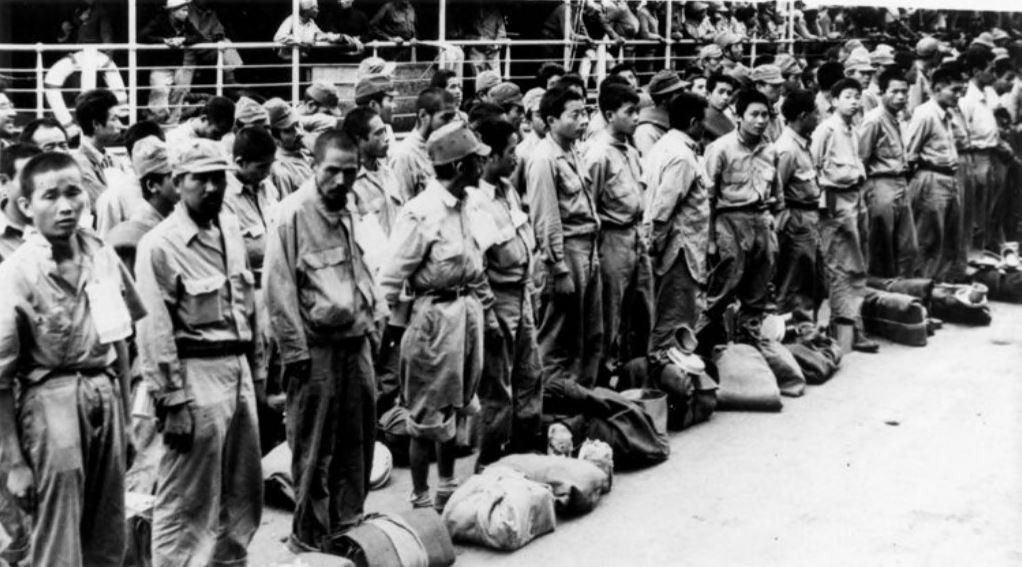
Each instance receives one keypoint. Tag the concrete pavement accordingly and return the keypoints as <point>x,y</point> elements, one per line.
<point>909,457</point>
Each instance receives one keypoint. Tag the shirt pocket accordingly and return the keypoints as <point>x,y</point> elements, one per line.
<point>244,290</point>
<point>200,304</point>
<point>569,183</point>
<point>327,294</point>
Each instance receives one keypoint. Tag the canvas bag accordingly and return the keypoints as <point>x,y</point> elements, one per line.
<point>500,509</point>
<point>577,485</point>
<point>746,381</point>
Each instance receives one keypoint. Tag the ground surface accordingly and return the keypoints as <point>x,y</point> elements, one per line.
<point>909,457</point>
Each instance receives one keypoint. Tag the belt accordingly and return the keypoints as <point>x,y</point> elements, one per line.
<point>976,151</point>
<point>616,226</point>
<point>889,175</point>
<point>849,189</point>
<point>447,294</point>
<point>798,206</point>
<point>187,348</point>
<point>757,207</point>
<point>508,286</point>
<point>257,275</point>
<point>942,169</point>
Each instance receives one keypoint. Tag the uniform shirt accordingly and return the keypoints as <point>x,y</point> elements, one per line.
<point>717,124</point>
<point>560,204</point>
<point>920,92</point>
<point>741,176</point>
<point>485,21</point>
<point>678,210</point>
<point>881,147</point>
<point>980,124</point>
<point>11,236</point>
<point>393,20</point>
<point>929,137</point>
<point>125,236</point>
<point>796,171</point>
<point>118,203</point>
<point>95,164</point>
<point>411,165</point>
<point>305,32</point>
<point>509,256</point>
<point>318,286</point>
<point>254,207</point>
<point>613,173</point>
<point>835,151</point>
<point>870,99</point>
<point>183,133</point>
<point>824,105</point>
<point>196,284</point>
<point>207,23</point>
<point>379,193</point>
<point>46,322</point>
<point>290,171</point>
<point>653,124</point>
<point>774,127</point>
<point>433,248</point>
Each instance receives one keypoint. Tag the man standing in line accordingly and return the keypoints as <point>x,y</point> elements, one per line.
<point>835,150</point>
<point>799,281</point>
<point>433,108</point>
<point>984,139</point>
<point>511,387</point>
<point>742,171</point>
<point>614,176</point>
<point>678,219</point>
<point>437,255</point>
<point>101,128</point>
<point>566,223</point>
<point>936,194</point>
<point>653,121</point>
<point>323,305</point>
<point>198,350</point>
<point>68,306</point>
<point>376,190</point>
<point>892,245</point>
<point>13,222</point>
<point>292,168</point>
<point>769,81</point>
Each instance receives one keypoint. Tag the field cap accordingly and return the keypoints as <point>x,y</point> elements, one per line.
<point>487,80</point>
<point>279,114</point>
<point>175,4</point>
<point>374,85</point>
<point>929,45</point>
<point>532,98</point>
<point>250,113</point>
<point>665,82</point>
<point>769,74</point>
<point>149,155</point>
<point>506,93</point>
<point>198,155</point>
<point>453,142</point>
<point>325,94</point>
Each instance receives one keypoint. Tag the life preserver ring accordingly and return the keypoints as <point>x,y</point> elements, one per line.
<point>90,63</point>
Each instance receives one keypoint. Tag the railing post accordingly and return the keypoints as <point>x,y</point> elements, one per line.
<point>601,62</point>
<point>442,35</point>
<point>507,62</point>
<point>296,73</point>
<point>220,68</point>
<point>132,61</point>
<point>668,30</point>
<point>40,87</point>
<point>567,34</point>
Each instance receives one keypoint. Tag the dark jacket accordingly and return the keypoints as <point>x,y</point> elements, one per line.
<point>161,28</point>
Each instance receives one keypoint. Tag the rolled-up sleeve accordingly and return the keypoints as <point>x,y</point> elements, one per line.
<point>161,367</point>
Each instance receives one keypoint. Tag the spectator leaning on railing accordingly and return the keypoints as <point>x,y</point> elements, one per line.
<point>305,33</point>
<point>171,79</point>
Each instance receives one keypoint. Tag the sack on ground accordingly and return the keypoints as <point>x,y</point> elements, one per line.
<point>818,355</point>
<point>630,432</point>
<point>577,485</point>
<point>600,454</point>
<point>416,538</point>
<point>746,381</point>
<point>790,379</point>
<point>500,509</point>
<point>691,398</point>
<point>947,306</point>
<point>897,317</point>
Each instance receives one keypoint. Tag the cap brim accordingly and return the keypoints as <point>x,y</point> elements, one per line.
<point>209,168</point>
<point>483,150</point>
<point>674,88</point>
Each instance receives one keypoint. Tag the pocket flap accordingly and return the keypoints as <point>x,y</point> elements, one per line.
<point>199,286</point>
<point>248,277</point>
<point>324,258</point>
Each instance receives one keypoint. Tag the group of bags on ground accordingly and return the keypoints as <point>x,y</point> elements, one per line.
<point>520,497</point>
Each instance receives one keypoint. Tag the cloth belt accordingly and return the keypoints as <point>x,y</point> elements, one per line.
<point>447,294</point>
<point>616,226</point>
<point>976,151</point>
<point>798,206</point>
<point>889,175</point>
<point>187,348</point>
<point>40,375</point>
<point>942,169</point>
<point>757,207</point>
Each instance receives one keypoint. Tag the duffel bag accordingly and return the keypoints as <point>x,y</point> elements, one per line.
<point>653,402</point>
<point>577,485</point>
<point>691,398</point>
<point>790,379</point>
<point>500,509</point>
<point>921,288</point>
<point>630,432</point>
<point>316,559</point>
<point>746,382</point>
<point>897,317</point>
<point>1010,288</point>
<point>951,302</point>
<point>413,539</point>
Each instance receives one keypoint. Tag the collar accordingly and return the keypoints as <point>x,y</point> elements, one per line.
<point>605,135</point>
<point>686,139</point>
<point>488,189</point>
<point>236,187</point>
<point>801,140</point>
<point>445,196</point>
<point>417,139</point>
<point>754,149</point>
<point>973,91</point>
<point>655,115</point>
<point>7,225</point>
<point>297,153</point>
<point>148,215</point>
<point>187,228</point>
<point>91,152</point>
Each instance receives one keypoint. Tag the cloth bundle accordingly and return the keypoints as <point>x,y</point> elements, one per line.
<point>746,381</point>
<point>500,509</point>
